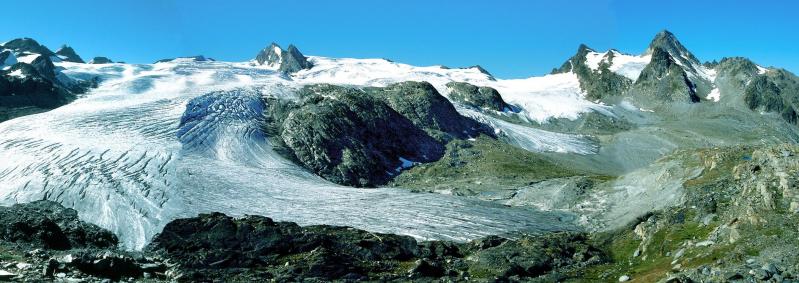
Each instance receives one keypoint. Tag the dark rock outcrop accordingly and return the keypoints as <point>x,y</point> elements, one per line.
<point>7,58</point>
<point>365,137</point>
<point>776,91</point>
<point>477,97</point>
<point>737,70</point>
<point>68,54</point>
<point>350,138</point>
<point>600,83</point>
<point>27,46</point>
<point>197,58</point>
<point>23,85</point>
<point>421,103</point>
<point>47,224</point>
<point>290,60</point>
<point>270,55</point>
<point>663,79</point>
<point>666,41</point>
<point>218,247</point>
<point>100,60</point>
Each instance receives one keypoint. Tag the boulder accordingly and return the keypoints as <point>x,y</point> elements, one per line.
<point>478,97</point>
<point>47,224</point>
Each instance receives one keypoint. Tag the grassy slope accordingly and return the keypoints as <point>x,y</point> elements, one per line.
<point>485,164</point>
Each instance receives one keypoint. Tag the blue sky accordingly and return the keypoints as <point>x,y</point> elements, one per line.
<point>511,39</point>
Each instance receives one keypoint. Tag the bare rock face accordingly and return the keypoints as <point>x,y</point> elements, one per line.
<point>353,139</point>
<point>663,79</point>
<point>477,96</point>
<point>219,247</point>
<point>47,224</point>
<point>100,60</point>
<point>68,54</point>
<point>290,60</point>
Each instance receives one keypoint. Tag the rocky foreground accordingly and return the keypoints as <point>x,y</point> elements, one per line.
<point>43,241</point>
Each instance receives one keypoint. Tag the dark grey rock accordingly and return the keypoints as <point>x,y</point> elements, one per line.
<point>350,138</point>
<point>27,46</point>
<point>197,58</point>
<point>478,97</point>
<point>270,55</point>
<point>598,84</point>
<point>100,60</point>
<point>290,60</point>
<point>776,91</point>
<point>218,247</point>
<point>421,103</point>
<point>666,41</point>
<point>47,224</point>
<point>4,58</point>
<point>68,54</point>
<point>664,80</point>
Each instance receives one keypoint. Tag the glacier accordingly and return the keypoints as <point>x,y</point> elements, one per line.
<point>156,142</point>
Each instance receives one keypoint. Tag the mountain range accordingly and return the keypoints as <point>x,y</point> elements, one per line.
<point>648,167</point>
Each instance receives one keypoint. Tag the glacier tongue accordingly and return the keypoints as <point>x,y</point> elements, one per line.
<point>121,157</point>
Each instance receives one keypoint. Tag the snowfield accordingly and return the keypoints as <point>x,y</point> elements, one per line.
<point>120,156</point>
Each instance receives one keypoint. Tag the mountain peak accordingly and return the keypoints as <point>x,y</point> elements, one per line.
<point>271,55</point>
<point>287,61</point>
<point>584,48</point>
<point>68,54</point>
<point>27,45</point>
<point>668,42</point>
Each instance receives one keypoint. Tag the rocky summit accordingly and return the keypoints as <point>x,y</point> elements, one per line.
<point>614,167</point>
<point>286,61</point>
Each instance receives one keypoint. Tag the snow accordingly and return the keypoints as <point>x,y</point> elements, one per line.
<point>17,73</point>
<point>761,70</point>
<point>628,65</point>
<point>592,59</point>
<point>541,98</point>
<point>623,64</point>
<point>120,156</point>
<point>714,95</point>
<point>27,58</point>
<point>550,96</point>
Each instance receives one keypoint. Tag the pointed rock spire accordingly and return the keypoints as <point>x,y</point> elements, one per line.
<point>287,61</point>
<point>668,42</point>
<point>68,54</point>
<point>270,56</point>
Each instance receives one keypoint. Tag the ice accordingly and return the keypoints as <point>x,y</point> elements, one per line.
<point>533,139</point>
<point>130,156</point>
<point>550,96</point>
<point>714,95</point>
